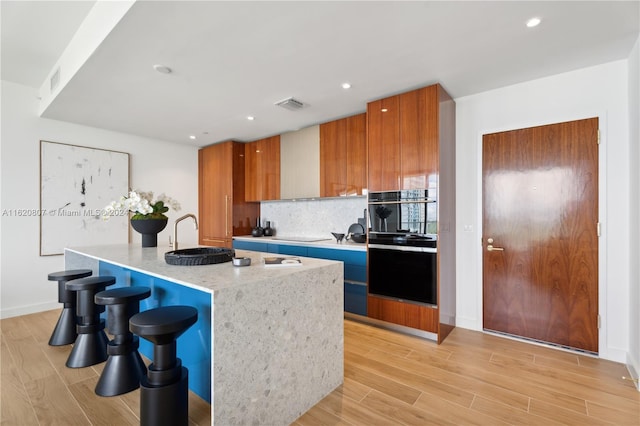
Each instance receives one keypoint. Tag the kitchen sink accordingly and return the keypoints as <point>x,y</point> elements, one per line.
<point>199,256</point>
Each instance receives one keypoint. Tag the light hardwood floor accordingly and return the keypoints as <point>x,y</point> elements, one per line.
<point>472,378</point>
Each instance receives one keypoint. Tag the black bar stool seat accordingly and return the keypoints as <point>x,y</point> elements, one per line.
<point>65,332</point>
<point>124,367</point>
<point>91,344</point>
<point>164,391</point>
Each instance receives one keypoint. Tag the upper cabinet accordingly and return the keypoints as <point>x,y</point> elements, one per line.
<point>383,142</point>
<point>403,140</point>
<point>222,209</point>
<point>300,163</point>
<point>262,169</point>
<point>343,153</point>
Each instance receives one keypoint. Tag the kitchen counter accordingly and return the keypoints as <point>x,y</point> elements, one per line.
<point>271,338</point>
<point>328,243</point>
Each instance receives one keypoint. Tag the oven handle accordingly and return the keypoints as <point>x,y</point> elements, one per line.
<point>403,248</point>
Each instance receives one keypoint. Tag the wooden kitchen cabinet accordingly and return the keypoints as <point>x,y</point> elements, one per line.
<point>222,209</point>
<point>262,169</point>
<point>343,157</point>
<point>383,144</point>
<point>403,140</point>
<point>410,315</point>
<point>411,145</point>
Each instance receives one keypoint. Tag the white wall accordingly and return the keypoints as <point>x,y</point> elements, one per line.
<point>155,166</point>
<point>634,196</point>
<point>600,91</point>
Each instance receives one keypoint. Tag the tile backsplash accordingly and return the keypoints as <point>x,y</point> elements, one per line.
<point>313,218</point>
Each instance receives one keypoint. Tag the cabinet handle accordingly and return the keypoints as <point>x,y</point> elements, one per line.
<point>210,240</point>
<point>226,215</point>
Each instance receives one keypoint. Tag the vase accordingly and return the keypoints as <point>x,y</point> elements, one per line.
<point>149,229</point>
<point>258,231</point>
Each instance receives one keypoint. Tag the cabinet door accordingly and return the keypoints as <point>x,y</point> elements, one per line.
<point>262,169</point>
<point>356,161</point>
<point>343,156</point>
<point>419,138</point>
<point>244,214</point>
<point>215,188</point>
<point>407,314</point>
<point>333,158</point>
<point>383,137</point>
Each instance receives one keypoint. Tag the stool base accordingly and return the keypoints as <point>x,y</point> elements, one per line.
<point>165,405</point>
<point>121,374</point>
<point>65,331</point>
<point>89,349</point>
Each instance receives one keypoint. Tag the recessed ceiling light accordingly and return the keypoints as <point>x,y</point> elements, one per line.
<point>533,22</point>
<point>346,85</point>
<point>384,110</point>
<point>251,118</point>
<point>162,69</point>
<point>192,137</point>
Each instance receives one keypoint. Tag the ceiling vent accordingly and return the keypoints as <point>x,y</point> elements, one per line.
<point>290,104</point>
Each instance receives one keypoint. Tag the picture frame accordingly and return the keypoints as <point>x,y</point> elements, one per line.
<point>76,184</point>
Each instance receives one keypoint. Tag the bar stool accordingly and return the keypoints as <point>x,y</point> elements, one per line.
<point>124,366</point>
<point>164,391</point>
<point>91,344</point>
<point>65,332</point>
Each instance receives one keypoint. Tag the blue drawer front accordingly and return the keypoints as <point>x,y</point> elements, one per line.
<point>249,245</point>
<point>355,298</point>
<point>355,273</point>
<point>347,256</point>
<point>194,346</point>
<point>287,249</point>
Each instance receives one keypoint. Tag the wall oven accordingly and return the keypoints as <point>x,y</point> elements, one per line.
<point>402,249</point>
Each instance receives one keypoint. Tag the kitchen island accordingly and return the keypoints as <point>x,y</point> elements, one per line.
<point>268,344</point>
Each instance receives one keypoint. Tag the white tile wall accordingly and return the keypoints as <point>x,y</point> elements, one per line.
<point>313,218</point>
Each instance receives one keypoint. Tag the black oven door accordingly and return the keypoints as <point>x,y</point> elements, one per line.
<point>403,273</point>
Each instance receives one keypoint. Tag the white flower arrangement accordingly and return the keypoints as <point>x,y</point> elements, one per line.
<point>142,206</point>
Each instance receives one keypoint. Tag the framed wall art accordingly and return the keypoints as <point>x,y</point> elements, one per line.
<point>76,183</point>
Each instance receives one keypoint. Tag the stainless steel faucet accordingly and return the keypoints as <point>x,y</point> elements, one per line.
<point>175,228</point>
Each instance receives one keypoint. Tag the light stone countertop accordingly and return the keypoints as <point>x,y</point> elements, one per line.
<point>209,278</point>
<point>329,243</point>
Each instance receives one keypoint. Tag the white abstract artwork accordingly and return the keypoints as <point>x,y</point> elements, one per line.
<point>76,183</point>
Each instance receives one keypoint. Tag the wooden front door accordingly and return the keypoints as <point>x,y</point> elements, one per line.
<point>540,242</point>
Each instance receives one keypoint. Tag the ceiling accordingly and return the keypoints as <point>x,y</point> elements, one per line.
<point>231,60</point>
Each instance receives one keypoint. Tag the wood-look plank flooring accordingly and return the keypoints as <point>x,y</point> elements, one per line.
<point>472,378</point>
<point>36,388</point>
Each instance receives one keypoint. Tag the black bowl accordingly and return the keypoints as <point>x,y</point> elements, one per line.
<point>359,238</point>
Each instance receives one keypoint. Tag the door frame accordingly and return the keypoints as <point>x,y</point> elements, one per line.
<point>602,215</point>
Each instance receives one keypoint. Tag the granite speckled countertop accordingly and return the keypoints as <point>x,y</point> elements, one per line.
<point>209,278</point>
<point>325,243</point>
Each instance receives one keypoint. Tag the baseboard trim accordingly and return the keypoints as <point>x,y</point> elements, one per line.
<point>26,310</point>
<point>634,374</point>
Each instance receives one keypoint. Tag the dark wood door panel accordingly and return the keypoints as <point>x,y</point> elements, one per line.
<point>540,188</point>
